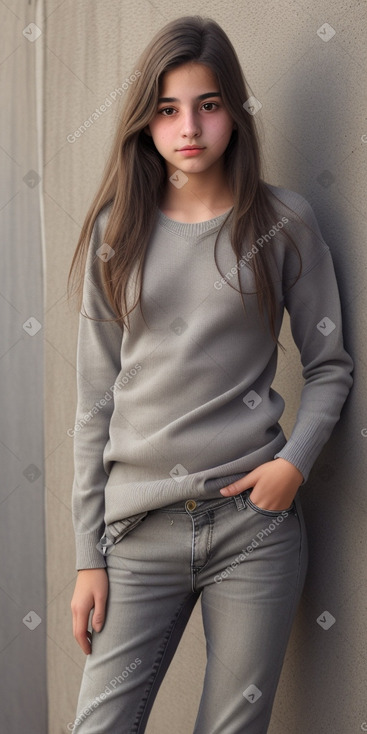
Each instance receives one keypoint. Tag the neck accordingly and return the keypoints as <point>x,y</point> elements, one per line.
<point>204,195</point>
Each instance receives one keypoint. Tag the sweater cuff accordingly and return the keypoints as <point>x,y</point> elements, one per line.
<point>87,553</point>
<point>289,456</point>
<point>295,455</point>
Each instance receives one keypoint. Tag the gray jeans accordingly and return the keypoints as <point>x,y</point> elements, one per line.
<point>249,567</point>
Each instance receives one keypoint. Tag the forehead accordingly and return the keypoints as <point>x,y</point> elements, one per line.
<point>192,76</point>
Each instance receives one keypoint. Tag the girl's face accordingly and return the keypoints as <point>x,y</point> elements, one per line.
<point>190,114</point>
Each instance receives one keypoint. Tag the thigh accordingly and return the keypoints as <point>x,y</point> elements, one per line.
<point>149,603</point>
<point>250,594</point>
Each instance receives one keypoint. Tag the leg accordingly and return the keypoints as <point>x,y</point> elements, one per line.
<point>251,589</point>
<point>150,601</point>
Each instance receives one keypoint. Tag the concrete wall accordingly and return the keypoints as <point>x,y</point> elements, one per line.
<point>314,131</point>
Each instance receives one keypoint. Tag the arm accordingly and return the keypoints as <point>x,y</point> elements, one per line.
<point>98,365</point>
<point>316,323</point>
<point>314,307</point>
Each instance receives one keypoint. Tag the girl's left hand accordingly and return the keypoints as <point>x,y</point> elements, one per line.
<point>275,485</point>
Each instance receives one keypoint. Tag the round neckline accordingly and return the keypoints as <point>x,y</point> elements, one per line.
<point>192,229</point>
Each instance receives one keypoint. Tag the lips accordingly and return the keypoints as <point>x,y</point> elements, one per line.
<point>191,147</point>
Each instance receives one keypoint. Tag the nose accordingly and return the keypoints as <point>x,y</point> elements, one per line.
<point>190,124</point>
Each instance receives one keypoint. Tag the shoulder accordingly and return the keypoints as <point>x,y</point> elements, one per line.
<point>97,236</point>
<point>300,224</point>
<point>101,219</point>
<point>94,255</point>
<point>292,201</point>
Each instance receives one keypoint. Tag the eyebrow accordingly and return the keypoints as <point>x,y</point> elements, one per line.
<point>201,96</point>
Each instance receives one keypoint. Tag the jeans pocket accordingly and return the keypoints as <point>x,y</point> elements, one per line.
<point>269,513</point>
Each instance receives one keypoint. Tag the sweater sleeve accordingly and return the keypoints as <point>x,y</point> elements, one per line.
<point>98,365</point>
<point>314,307</point>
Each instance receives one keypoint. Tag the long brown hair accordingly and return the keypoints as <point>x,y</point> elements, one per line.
<point>135,175</point>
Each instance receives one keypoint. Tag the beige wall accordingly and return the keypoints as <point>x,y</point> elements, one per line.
<point>313,96</point>
<point>23,613</point>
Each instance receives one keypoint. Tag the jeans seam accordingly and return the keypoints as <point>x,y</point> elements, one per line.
<point>293,606</point>
<point>192,553</point>
<point>155,669</point>
<point>197,569</point>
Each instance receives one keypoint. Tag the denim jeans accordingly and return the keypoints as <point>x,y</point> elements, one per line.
<point>247,564</point>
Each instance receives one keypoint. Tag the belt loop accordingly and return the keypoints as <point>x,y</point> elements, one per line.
<point>240,501</point>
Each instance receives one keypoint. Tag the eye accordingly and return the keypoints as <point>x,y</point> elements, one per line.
<point>165,110</point>
<point>170,111</point>
<point>212,105</point>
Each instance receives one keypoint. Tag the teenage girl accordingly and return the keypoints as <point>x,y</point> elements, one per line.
<point>185,485</point>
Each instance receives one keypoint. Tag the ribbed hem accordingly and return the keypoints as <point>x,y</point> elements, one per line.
<point>87,553</point>
<point>294,449</point>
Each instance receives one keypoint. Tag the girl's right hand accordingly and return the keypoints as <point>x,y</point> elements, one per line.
<point>91,590</point>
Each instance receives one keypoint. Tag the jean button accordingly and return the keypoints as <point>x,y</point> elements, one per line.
<point>190,505</point>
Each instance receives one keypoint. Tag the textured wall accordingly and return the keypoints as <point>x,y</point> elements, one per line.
<point>23,674</point>
<point>312,88</point>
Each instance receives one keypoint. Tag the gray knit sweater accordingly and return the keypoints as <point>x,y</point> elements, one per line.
<point>181,404</point>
